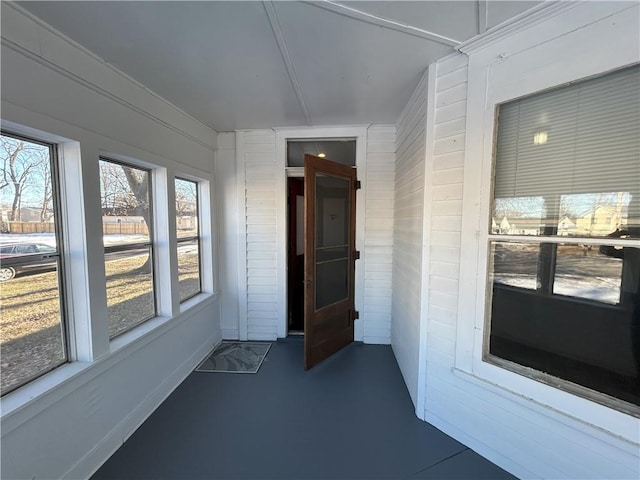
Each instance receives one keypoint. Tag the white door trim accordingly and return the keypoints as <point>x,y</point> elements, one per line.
<point>282,135</point>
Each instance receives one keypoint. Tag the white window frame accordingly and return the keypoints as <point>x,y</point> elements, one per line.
<point>198,237</point>
<point>549,54</point>
<point>151,244</point>
<point>57,201</point>
<point>83,269</point>
<point>207,238</point>
<point>89,349</point>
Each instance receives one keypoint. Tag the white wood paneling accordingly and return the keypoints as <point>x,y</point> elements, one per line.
<point>552,434</point>
<point>378,241</point>
<point>258,272</point>
<point>262,229</point>
<point>407,236</point>
<point>445,175</point>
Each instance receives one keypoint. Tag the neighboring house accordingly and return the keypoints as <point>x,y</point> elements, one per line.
<point>517,226</point>
<point>186,222</point>
<point>422,223</point>
<point>566,226</point>
<point>27,214</point>
<point>505,226</point>
<point>599,221</point>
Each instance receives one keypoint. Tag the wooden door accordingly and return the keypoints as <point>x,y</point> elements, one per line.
<point>329,270</point>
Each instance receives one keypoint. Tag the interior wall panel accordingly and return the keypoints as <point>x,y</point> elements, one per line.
<point>408,236</point>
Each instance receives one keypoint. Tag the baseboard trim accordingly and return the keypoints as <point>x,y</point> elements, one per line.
<point>99,454</point>
<point>480,448</point>
<point>376,340</point>
<point>230,334</point>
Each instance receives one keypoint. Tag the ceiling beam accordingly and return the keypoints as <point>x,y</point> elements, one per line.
<point>350,12</point>
<point>270,9</point>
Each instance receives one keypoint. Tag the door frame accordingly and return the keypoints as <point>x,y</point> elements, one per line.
<point>359,133</point>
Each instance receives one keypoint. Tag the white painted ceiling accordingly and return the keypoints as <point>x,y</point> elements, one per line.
<point>237,65</point>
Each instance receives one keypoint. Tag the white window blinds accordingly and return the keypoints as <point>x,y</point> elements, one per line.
<point>583,138</point>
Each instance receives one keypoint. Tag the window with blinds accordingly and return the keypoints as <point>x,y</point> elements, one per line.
<point>564,240</point>
<point>568,160</point>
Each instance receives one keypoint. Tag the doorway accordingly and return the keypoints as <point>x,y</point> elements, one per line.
<point>295,256</point>
<point>335,149</point>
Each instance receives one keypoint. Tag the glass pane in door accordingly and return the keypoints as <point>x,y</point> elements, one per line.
<point>332,239</point>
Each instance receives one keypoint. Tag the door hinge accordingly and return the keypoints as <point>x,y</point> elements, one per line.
<point>355,315</point>
<point>358,185</point>
<point>356,255</point>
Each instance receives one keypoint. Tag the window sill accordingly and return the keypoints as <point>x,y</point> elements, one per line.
<point>36,396</point>
<point>36,390</point>
<point>200,299</point>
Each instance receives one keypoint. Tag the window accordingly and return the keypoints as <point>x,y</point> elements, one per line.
<point>187,215</point>
<point>33,333</point>
<point>340,150</point>
<point>127,224</point>
<point>564,248</point>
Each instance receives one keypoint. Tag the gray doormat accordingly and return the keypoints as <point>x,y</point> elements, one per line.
<point>235,357</point>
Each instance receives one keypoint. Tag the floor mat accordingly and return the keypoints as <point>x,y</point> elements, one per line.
<point>235,357</point>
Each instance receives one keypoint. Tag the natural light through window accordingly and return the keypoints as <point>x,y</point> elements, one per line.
<point>187,211</point>
<point>32,325</point>
<point>127,228</point>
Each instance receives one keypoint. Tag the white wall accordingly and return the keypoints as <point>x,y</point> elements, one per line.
<point>258,187</point>
<point>227,208</point>
<point>377,253</point>
<point>407,235</point>
<point>261,193</point>
<point>530,429</point>
<point>65,424</point>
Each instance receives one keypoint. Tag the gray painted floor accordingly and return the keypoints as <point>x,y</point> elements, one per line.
<point>349,417</point>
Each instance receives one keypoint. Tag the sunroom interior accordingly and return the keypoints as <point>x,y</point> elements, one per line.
<point>152,205</point>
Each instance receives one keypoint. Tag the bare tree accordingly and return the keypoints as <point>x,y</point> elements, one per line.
<point>46,206</point>
<point>186,198</point>
<point>19,160</point>
<point>125,192</point>
<point>518,207</point>
<point>139,186</point>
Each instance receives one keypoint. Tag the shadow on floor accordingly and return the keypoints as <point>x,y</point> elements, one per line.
<point>349,417</point>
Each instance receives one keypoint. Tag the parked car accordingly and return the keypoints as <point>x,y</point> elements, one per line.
<point>9,270</point>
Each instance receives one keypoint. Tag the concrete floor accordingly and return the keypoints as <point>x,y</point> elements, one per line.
<point>349,417</point>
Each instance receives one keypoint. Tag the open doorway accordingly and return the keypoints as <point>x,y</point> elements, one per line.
<point>295,280</point>
<point>339,150</point>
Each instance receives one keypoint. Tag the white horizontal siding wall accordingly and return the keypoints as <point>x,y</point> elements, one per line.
<point>260,171</point>
<point>408,228</point>
<point>378,241</point>
<point>261,189</point>
<point>446,177</point>
<point>523,436</point>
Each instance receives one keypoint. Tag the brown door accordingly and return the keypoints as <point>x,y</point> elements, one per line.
<point>329,264</point>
